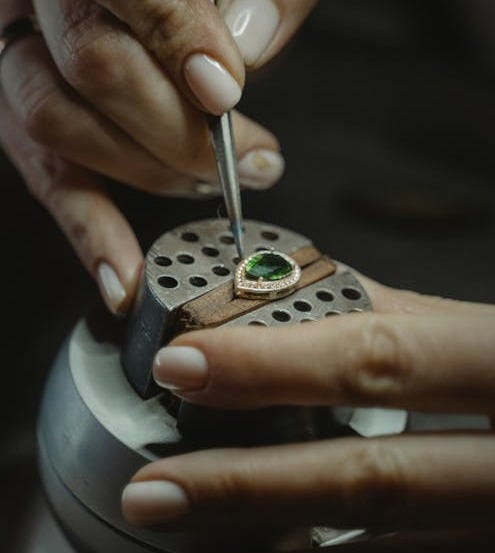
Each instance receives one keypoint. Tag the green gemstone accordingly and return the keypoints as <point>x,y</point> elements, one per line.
<point>268,266</point>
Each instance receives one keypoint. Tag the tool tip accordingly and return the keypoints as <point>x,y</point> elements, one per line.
<point>237,231</point>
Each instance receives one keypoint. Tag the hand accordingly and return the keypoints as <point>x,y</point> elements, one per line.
<point>415,352</point>
<point>116,89</point>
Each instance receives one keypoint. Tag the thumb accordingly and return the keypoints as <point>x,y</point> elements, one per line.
<point>192,42</point>
<point>261,28</point>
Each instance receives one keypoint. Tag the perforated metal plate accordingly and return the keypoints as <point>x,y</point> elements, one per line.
<point>197,258</point>
<point>181,266</point>
<point>338,294</point>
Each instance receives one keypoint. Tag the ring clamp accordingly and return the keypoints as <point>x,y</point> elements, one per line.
<point>19,28</point>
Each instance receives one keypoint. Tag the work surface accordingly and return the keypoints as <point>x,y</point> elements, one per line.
<point>390,169</point>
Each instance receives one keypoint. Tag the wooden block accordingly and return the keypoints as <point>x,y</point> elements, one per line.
<point>220,305</point>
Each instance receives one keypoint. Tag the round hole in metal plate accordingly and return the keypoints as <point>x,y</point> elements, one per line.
<point>332,313</point>
<point>352,294</point>
<point>227,239</point>
<point>262,249</point>
<point>168,282</point>
<point>163,261</point>
<point>210,251</point>
<point>303,306</point>
<point>198,281</point>
<point>270,235</point>
<point>221,270</point>
<point>185,259</point>
<point>308,320</point>
<point>356,311</point>
<point>325,295</point>
<point>281,316</point>
<point>189,237</point>
<point>236,260</point>
<point>257,323</point>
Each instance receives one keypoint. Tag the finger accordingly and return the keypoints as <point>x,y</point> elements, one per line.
<point>433,363</point>
<point>401,482</point>
<point>98,232</point>
<point>62,122</point>
<point>190,39</point>
<point>100,59</point>
<point>261,28</point>
<point>392,300</point>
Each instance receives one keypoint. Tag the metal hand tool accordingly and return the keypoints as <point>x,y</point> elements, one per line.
<point>222,139</point>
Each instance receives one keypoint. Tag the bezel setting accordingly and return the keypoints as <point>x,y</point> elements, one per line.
<point>261,288</point>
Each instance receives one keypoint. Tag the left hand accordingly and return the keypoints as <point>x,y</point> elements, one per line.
<point>415,352</point>
<point>118,89</point>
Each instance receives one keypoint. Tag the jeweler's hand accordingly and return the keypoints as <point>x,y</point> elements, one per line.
<point>415,352</point>
<point>117,89</point>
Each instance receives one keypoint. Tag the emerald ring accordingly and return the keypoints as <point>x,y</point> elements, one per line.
<point>266,275</point>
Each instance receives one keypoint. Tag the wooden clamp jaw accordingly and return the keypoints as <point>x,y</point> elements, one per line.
<point>220,306</point>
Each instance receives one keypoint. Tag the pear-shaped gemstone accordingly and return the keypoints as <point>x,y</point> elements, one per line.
<point>268,266</point>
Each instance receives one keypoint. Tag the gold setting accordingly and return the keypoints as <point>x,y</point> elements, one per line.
<point>264,289</point>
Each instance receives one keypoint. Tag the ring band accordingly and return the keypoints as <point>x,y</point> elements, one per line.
<point>19,28</point>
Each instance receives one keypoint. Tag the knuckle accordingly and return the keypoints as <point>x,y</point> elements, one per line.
<point>43,184</point>
<point>45,192</point>
<point>42,119</point>
<point>39,108</point>
<point>381,362</point>
<point>374,485</point>
<point>159,24</point>
<point>89,60</point>
<point>93,67</point>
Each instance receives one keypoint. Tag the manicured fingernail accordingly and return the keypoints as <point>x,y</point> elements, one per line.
<point>261,168</point>
<point>208,189</point>
<point>212,84</point>
<point>155,502</point>
<point>253,24</point>
<point>111,288</point>
<point>180,368</point>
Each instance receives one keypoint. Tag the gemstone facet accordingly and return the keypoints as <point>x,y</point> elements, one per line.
<point>268,266</point>
<point>266,275</point>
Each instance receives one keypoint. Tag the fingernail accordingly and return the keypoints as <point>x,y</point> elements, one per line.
<point>253,24</point>
<point>111,288</point>
<point>261,168</point>
<point>212,84</point>
<point>155,502</point>
<point>208,189</point>
<point>180,368</point>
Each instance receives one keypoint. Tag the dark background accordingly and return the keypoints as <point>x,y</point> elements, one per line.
<point>386,115</point>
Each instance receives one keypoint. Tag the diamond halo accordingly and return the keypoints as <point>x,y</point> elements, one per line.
<point>264,288</point>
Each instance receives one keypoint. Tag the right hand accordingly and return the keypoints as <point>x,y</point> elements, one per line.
<point>116,89</point>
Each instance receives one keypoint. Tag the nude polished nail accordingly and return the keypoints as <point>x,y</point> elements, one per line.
<point>180,368</point>
<point>111,288</point>
<point>154,502</point>
<point>253,24</point>
<point>261,169</point>
<point>213,85</point>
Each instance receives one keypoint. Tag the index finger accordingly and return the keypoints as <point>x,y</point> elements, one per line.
<point>190,39</point>
<point>433,363</point>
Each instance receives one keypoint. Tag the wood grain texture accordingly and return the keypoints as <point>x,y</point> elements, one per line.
<point>220,305</point>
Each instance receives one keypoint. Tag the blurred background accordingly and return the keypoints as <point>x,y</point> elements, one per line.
<point>385,110</point>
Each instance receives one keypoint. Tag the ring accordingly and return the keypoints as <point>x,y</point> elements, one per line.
<point>19,28</point>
